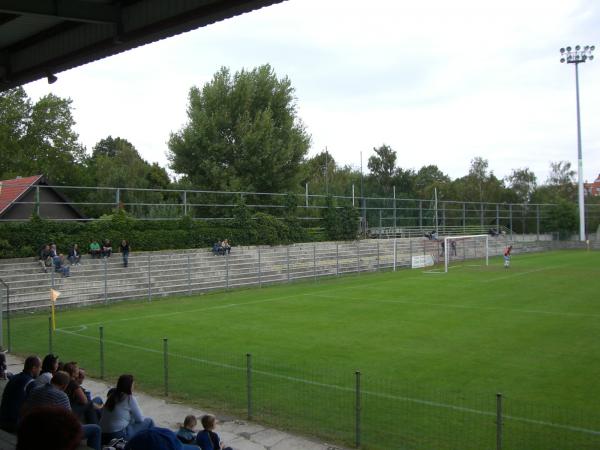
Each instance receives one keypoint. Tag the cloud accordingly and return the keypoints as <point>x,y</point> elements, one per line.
<point>441,82</point>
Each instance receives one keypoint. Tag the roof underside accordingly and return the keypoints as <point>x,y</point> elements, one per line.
<point>43,37</point>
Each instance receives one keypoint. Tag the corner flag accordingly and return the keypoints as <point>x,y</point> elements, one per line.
<point>54,294</point>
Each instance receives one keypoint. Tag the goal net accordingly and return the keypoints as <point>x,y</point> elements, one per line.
<point>472,250</point>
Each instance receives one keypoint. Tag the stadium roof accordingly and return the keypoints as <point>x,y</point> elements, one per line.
<point>39,38</point>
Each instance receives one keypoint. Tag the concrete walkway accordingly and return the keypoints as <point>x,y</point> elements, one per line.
<point>239,434</point>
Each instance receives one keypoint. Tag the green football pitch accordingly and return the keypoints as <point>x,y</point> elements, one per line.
<point>432,349</point>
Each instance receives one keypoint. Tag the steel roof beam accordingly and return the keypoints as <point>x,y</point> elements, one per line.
<point>72,10</point>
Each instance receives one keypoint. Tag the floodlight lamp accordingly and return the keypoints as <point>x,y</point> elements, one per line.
<point>592,48</point>
<point>591,57</point>
<point>568,49</point>
<point>583,58</point>
<point>577,47</point>
<point>51,78</point>
<point>586,48</point>
<point>562,60</point>
<point>562,50</point>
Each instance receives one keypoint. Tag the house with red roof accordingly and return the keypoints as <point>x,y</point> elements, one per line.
<point>592,189</point>
<point>21,197</point>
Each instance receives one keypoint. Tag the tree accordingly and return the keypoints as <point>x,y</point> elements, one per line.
<point>428,178</point>
<point>39,138</point>
<point>561,180</point>
<point>243,133</point>
<point>523,183</point>
<point>383,166</point>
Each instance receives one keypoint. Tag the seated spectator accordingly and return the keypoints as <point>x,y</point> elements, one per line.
<point>45,258</point>
<point>60,267</point>
<point>49,368</point>
<point>81,405</point>
<point>207,439</point>
<point>121,415</point>
<point>157,439</point>
<point>16,391</point>
<point>217,249</point>
<point>52,394</point>
<point>226,247</point>
<point>53,251</point>
<point>94,249</point>
<point>74,255</point>
<point>4,375</point>
<point>106,249</point>
<point>49,427</point>
<point>186,433</point>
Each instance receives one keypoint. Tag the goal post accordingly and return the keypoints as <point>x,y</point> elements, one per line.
<point>466,248</point>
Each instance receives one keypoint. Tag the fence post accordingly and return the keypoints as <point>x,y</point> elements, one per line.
<point>394,211</point>
<point>395,251</point>
<point>105,281</point>
<point>37,199</point>
<point>464,216</point>
<point>337,258</point>
<point>306,195</point>
<point>353,195</point>
<point>249,383</point>
<point>287,250</point>
<point>481,216</point>
<point>315,261</point>
<point>49,334</point>
<point>227,270</point>
<point>499,421</point>
<point>497,217</point>
<point>166,364</point>
<point>185,208</point>
<point>357,408</point>
<point>510,219</point>
<point>189,274</point>
<point>537,220</point>
<point>8,334</point>
<point>149,282</point>
<point>378,265</point>
<point>102,353</point>
<point>420,213</point>
<point>117,199</point>
<point>358,256</point>
<point>259,269</point>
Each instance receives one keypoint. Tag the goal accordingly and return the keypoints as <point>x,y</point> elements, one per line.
<point>471,250</point>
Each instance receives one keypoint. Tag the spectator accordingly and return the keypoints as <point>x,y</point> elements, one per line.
<point>4,375</point>
<point>453,247</point>
<point>53,394</point>
<point>207,439</point>
<point>49,427</point>
<point>59,265</point>
<point>45,258</point>
<point>125,249</point>
<point>74,255</point>
<point>94,249</point>
<point>16,391</point>
<point>121,415</point>
<point>81,405</point>
<point>226,246</point>
<point>53,251</point>
<point>186,433</point>
<point>49,368</point>
<point>157,439</point>
<point>106,248</point>
<point>94,404</point>
<point>217,249</point>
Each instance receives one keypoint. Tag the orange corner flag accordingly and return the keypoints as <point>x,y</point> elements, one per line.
<point>54,294</point>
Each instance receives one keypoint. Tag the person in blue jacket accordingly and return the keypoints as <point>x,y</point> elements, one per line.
<point>207,439</point>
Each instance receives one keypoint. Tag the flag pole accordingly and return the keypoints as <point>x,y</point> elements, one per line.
<point>53,296</point>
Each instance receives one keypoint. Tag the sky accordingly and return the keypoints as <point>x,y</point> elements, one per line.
<point>439,81</point>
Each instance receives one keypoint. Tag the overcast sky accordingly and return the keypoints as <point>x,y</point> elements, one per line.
<point>439,81</point>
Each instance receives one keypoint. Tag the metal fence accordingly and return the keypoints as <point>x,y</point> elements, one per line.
<point>376,211</point>
<point>353,408</point>
<point>186,272</point>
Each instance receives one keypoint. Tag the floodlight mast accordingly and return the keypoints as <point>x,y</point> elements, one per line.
<point>576,56</point>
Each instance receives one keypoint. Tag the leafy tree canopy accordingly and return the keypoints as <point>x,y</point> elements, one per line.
<point>243,133</point>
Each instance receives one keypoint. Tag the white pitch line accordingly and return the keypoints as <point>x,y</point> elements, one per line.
<point>347,389</point>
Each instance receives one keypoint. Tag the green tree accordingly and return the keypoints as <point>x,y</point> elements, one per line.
<point>523,183</point>
<point>39,138</point>
<point>243,133</point>
<point>428,178</point>
<point>382,166</point>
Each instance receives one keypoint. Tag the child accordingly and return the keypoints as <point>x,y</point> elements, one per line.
<point>507,251</point>
<point>186,433</point>
<point>207,439</point>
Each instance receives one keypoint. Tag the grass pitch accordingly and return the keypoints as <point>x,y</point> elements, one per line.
<point>432,350</point>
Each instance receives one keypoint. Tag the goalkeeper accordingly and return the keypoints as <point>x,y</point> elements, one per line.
<point>507,251</point>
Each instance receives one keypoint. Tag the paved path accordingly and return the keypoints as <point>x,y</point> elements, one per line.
<point>239,434</point>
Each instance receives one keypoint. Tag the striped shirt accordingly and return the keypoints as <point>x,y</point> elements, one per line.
<point>47,395</point>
